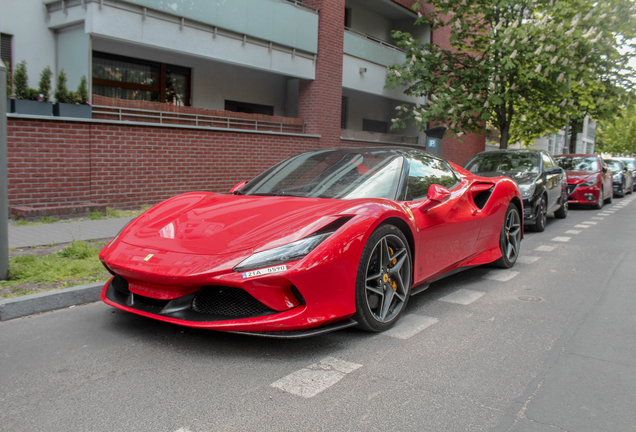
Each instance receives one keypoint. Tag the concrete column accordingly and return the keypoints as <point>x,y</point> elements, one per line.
<point>320,100</point>
<point>4,206</point>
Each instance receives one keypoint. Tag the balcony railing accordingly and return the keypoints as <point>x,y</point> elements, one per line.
<point>198,120</point>
<point>372,49</point>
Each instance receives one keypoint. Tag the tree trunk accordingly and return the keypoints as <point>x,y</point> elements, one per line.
<point>504,136</point>
<point>575,129</point>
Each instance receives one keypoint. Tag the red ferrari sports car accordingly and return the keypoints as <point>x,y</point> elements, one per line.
<point>322,241</point>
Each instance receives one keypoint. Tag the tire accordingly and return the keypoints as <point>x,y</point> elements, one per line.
<point>383,282</point>
<point>601,199</point>
<point>542,216</point>
<point>562,212</point>
<point>510,238</point>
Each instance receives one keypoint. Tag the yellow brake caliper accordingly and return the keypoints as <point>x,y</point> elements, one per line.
<point>391,264</point>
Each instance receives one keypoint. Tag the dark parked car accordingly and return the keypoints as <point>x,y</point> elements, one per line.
<point>589,181</point>
<point>622,176</point>
<point>630,163</point>
<point>543,183</point>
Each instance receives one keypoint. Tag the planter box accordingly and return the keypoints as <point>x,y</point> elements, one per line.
<point>22,106</point>
<point>9,105</point>
<point>72,110</point>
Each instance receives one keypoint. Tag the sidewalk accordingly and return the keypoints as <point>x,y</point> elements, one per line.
<point>65,232</point>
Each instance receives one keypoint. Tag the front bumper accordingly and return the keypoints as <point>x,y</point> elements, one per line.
<point>588,195</point>
<point>530,210</point>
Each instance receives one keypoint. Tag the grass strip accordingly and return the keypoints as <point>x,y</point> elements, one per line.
<point>77,263</point>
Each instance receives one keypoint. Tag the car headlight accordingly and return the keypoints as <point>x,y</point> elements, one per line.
<point>282,254</point>
<point>527,190</point>
<point>590,182</point>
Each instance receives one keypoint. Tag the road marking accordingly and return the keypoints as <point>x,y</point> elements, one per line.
<point>501,275</point>
<point>527,259</point>
<point>605,214</point>
<point>573,232</point>
<point>561,239</point>
<point>310,381</point>
<point>589,222</point>
<point>581,226</point>
<point>183,430</point>
<point>546,248</point>
<point>597,218</point>
<point>462,297</point>
<point>410,325</point>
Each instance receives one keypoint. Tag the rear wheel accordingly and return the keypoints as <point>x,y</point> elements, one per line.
<point>562,212</point>
<point>383,283</point>
<point>510,239</point>
<point>542,216</point>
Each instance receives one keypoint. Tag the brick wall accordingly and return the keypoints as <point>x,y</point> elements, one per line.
<point>125,166</point>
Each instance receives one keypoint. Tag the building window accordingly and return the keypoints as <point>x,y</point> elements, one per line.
<point>6,49</point>
<point>343,112</point>
<point>551,143</point>
<point>249,108</point>
<point>347,18</point>
<point>133,79</point>
<point>375,126</point>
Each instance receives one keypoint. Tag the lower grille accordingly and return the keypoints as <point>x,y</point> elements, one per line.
<point>227,301</point>
<point>571,189</point>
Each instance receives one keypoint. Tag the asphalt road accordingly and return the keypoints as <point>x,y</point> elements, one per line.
<point>548,346</point>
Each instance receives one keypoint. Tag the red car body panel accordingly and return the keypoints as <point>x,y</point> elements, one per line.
<point>578,194</point>
<point>197,239</point>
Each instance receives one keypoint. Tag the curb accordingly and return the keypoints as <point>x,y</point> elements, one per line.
<point>18,307</point>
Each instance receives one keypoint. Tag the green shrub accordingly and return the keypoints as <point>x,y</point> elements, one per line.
<point>45,84</point>
<point>9,79</point>
<point>21,81</point>
<point>82,90</point>
<point>62,95</point>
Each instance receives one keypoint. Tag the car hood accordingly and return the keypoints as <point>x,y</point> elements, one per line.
<point>212,224</point>
<point>521,178</point>
<point>576,177</point>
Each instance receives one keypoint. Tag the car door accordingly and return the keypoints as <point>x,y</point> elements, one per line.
<point>554,181</point>
<point>447,230</point>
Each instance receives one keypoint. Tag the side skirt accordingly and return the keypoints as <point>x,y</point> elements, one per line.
<point>424,286</point>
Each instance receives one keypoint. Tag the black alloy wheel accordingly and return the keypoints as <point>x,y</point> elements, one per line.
<point>383,283</point>
<point>542,216</point>
<point>510,239</point>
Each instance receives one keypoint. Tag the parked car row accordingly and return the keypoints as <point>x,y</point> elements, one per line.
<point>335,238</point>
<point>543,183</point>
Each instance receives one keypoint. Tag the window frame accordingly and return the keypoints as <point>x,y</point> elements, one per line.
<point>162,69</point>
<point>407,171</point>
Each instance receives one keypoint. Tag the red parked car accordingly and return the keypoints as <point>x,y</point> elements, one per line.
<point>322,241</point>
<point>589,181</point>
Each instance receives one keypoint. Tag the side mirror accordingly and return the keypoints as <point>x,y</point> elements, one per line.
<point>239,186</point>
<point>436,195</point>
<point>624,169</point>
<point>554,170</point>
<point>604,170</point>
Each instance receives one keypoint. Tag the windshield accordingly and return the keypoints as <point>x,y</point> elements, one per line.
<point>631,164</point>
<point>504,162</point>
<point>589,164</point>
<point>339,173</point>
<point>615,166</point>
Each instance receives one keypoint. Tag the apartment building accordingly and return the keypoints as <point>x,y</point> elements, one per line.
<point>238,77</point>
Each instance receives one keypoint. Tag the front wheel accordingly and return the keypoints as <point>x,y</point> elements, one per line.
<point>383,283</point>
<point>510,238</point>
<point>601,199</point>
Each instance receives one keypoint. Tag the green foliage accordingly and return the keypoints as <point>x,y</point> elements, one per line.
<point>45,84</point>
<point>510,64</point>
<point>618,135</point>
<point>21,81</point>
<point>62,94</point>
<point>82,90</point>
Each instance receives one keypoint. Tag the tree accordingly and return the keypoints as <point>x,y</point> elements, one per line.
<point>507,67</point>
<point>618,135</point>
<point>45,84</point>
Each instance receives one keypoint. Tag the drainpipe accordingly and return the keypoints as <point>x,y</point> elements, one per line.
<point>4,208</point>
